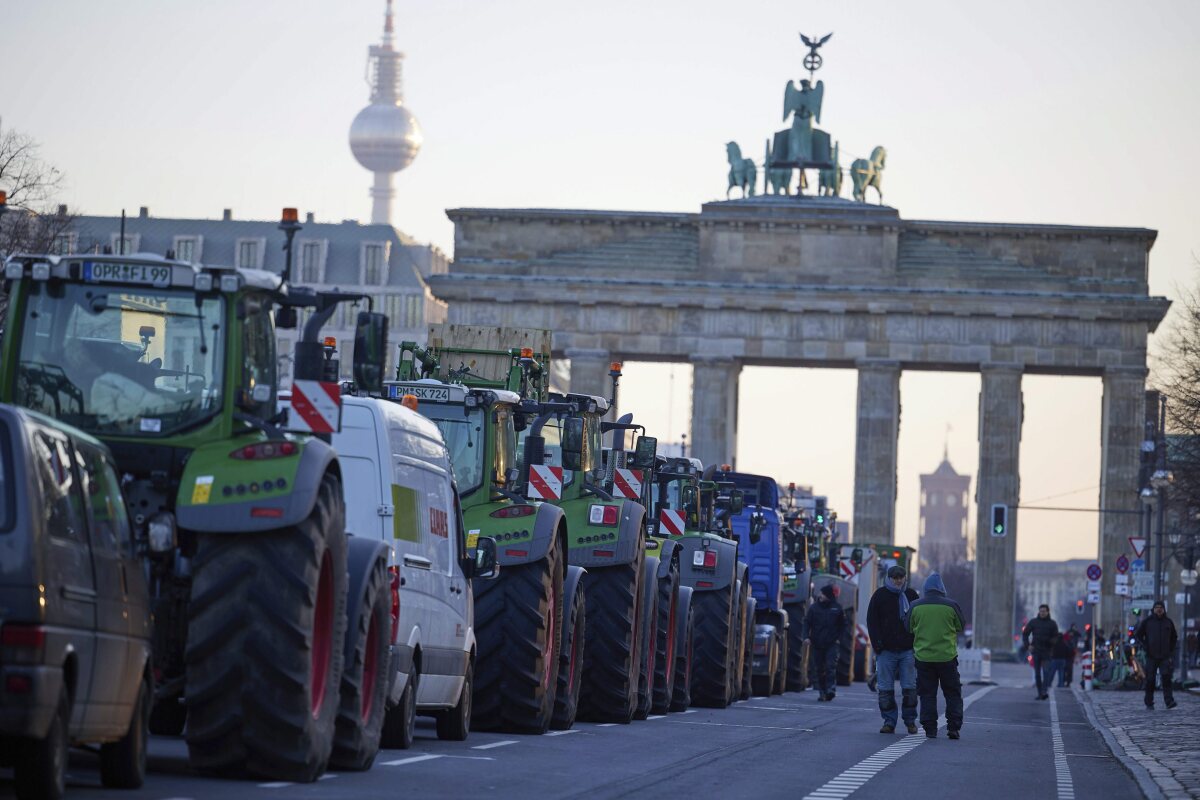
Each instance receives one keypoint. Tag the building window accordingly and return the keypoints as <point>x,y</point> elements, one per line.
<point>64,244</point>
<point>310,263</point>
<point>346,356</point>
<point>125,246</point>
<point>187,248</point>
<point>374,263</point>
<point>249,253</point>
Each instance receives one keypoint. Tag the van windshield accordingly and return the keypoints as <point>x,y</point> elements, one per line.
<point>465,439</point>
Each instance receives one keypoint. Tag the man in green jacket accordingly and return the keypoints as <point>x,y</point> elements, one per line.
<point>935,621</point>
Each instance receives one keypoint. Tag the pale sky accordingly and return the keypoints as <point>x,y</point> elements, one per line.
<point>1069,112</point>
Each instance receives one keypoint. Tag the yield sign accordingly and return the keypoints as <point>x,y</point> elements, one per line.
<point>1138,543</point>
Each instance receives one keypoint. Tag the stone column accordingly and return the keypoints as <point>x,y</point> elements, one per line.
<point>1001,411</point>
<point>589,371</point>
<point>875,444</point>
<point>714,409</point>
<point>1121,434</point>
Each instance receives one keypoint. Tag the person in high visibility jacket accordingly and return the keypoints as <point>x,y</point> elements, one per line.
<point>935,622</point>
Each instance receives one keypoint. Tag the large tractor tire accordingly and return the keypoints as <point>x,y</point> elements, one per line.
<point>779,679</point>
<point>571,654</point>
<point>365,677</point>
<point>665,646</point>
<point>517,625</point>
<point>264,652</point>
<point>748,648</point>
<point>797,674</point>
<point>610,671</point>
<point>845,664</point>
<point>649,636</point>
<point>168,717</point>
<point>681,695</point>
<point>714,658</point>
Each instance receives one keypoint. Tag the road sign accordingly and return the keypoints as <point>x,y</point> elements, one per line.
<point>1138,543</point>
<point>1093,598</point>
<point>1123,589</point>
<point>1122,580</point>
<point>1188,576</point>
<point>1122,564</point>
<point>1093,586</point>
<point>1180,598</point>
<point>1138,565</point>
<point>1143,584</point>
<point>1094,572</point>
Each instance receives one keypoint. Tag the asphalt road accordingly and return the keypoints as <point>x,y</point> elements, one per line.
<point>785,746</point>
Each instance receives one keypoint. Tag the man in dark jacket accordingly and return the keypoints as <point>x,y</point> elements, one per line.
<point>1042,632</point>
<point>1158,639</point>
<point>936,621</point>
<point>825,623</point>
<point>893,646</point>
<point>1058,661</point>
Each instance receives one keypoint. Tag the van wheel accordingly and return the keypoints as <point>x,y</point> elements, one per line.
<point>168,717</point>
<point>41,769</point>
<point>570,669</point>
<point>610,671</point>
<point>365,678</point>
<point>453,724</point>
<point>265,645</point>
<point>123,763</point>
<point>400,722</point>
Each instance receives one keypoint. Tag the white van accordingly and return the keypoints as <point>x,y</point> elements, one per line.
<point>399,487</point>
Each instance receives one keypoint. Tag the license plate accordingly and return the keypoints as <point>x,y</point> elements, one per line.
<point>432,394</point>
<point>144,274</point>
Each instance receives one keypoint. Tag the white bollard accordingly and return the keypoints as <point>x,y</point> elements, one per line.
<point>985,667</point>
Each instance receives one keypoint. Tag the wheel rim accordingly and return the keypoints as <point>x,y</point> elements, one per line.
<point>548,650</point>
<point>322,645</point>
<point>370,669</point>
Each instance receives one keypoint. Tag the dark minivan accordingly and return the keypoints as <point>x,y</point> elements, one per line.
<point>74,609</point>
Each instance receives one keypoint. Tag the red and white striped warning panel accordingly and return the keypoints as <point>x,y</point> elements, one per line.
<point>317,407</point>
<point>846,568</point>
<point>672,521</point>
<point>864,638</point>
<point>627,483</point>
<point>545,483</point>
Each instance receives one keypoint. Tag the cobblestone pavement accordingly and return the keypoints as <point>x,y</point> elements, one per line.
<point>1166,743</point>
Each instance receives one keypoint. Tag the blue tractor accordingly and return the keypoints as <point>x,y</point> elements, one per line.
<point>761,547</point>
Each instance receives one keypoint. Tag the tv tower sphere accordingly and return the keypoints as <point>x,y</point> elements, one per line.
<point>385,136</point>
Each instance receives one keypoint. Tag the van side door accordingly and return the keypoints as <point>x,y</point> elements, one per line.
<point>71,597</point>
<point>449,597</point>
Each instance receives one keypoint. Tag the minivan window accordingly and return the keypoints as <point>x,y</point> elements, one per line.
<point>7,493</point>
<point>62,496</point>
<point>106,511</point>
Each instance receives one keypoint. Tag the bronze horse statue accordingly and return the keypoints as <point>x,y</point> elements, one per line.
<point>866,173</point>
<point>742,172</point>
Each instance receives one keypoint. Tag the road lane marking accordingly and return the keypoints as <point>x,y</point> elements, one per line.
<point>735,725</point>
<point>472,758</point>
<point>562,733</point>
<point>655,716</point>
<point>690,711</point>
<point>607,725</point>
<point>327,776</point>
<point>854,778</point>
<point>1066,790</point>
<point>275,785</point>
<point>490,745</point>
<point>400,762</point>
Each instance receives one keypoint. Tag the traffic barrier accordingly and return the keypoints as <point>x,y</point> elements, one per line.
<point>975,666</point>
<point>1085,665</point>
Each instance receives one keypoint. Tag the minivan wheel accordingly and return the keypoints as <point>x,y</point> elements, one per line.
<point>453,724</point>
<point>41,769</point>
<point>123,762</point>
<point>400,722</point>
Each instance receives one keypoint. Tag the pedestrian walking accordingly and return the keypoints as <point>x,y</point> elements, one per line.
<point>1058,662</point>
<point>1039,635</point>
<point>1073,637</point>
<point>825,624</point>
<point>1158,638</point>
<point>935,622</point>
<point>893,645</point>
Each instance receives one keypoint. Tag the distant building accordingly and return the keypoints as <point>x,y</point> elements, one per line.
<point>1058,584</point>
<point>944,510</point>
<point>376,260</point>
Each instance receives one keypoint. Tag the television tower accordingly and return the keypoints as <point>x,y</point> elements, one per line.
<point>385,136</point>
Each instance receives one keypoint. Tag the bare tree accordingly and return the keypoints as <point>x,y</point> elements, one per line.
<point>33,221</point>
<point>1177,375</point>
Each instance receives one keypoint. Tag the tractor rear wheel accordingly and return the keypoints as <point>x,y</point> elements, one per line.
<point>517,624</point>
<point>797,681</point>
<point>845,664</point>
<point>649,639</point>
<point>264,650</point>
<point>779,679</point>
<point>714,630</point>
<point>747,648</point>
<point>664,659</point>
<point>365,677</point>
<point>613,639</point>
<point>570,668</point>
<point>681,694</point>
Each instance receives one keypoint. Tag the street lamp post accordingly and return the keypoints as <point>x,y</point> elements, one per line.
<point>1159,481</point>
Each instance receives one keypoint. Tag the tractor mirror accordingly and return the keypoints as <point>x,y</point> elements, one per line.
<point>737,501</point>
<point>757,522</point>
<point>147,332</point>
<point>644,452</point>
<point>286,318</point>
<point>370,351</point>
<point>485,566</point>
<point>572,443</point>
<point>687,497</point>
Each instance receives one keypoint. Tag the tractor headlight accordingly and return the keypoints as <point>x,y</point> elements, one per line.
<point>161,532</point>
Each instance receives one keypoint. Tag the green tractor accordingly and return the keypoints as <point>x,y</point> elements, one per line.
<point>472,388</point>
<point>263,642</point>
<point>563,463</point>
<point>632,474</point>
<point>691,511</point>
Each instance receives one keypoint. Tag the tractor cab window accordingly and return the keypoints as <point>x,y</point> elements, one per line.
<point>466,440</point>
<point>121,360</point>
<point>257,394</point>
<point>506,442</point>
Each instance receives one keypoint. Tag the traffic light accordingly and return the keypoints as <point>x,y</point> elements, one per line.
<point>1137,612</point>
<point>999,519</point>
<point>819,510</point>
<point>1078,606</point>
